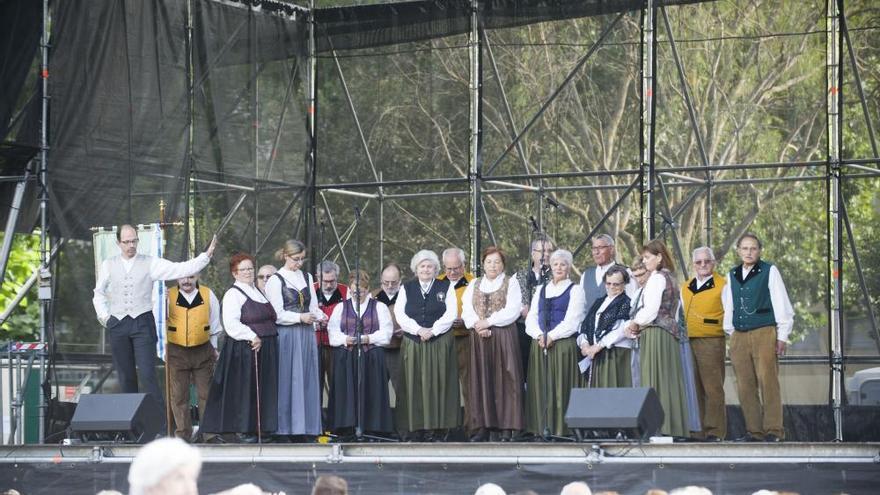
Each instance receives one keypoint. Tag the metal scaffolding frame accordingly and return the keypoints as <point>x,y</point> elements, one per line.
<point>657,215</point>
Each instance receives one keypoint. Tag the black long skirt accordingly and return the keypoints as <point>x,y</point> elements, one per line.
<point>232,400</point>
<point>342,406</point>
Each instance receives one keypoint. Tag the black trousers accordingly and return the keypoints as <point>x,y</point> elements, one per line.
<point>133,344</point>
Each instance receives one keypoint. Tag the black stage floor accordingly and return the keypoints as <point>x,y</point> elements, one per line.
<point>457,468</point>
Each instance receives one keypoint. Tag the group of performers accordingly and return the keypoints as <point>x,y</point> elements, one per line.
<point>510,347</point>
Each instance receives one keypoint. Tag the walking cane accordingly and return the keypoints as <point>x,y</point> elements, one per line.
<point>257,377</point>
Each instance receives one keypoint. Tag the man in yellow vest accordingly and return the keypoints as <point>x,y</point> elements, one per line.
<point>704,315</point>
<point>193,326</point>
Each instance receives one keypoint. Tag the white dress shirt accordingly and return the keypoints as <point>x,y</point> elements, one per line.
<point>296,280</point>
<point>233,300</point>
<point>213,312</point>
<point>380,337</point>
<point>782,310</point>
<point>574,314</point>
<point>441,326</point>
<point>503,317</point>
<point>160,269</point>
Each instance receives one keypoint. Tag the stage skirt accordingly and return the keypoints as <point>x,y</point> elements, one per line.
<point>429,397</point>
<point>612,368</point>
<point>232,399</point>
<point>660,362</point>
<point>495,397</point>
<point>564,375</point>
<point>342,407</point>
<point>299,391</point>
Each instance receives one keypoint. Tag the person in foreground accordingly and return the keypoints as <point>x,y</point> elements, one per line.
<point>557,308</point>
<point>491,306</point>
<point>244,389</point>
<point>759,317</point>
<point>376,330</point>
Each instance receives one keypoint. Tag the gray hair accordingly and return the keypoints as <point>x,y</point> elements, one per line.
<point>605,237</point>
<point>454,251</point>
<point>576,488</point>
<point>156,460</point>
<point>564,255</point>
<point>328,266</point>
<point>425,255</point>
<point>705,249</point>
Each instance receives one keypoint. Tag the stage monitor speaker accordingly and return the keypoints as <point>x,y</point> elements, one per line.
<point>127,418</point>
<point>634,412</point>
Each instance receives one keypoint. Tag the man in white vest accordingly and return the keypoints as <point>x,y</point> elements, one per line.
<point>123,304</point>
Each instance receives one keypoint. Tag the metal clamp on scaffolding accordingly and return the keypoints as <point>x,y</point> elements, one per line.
<point>20,362</point>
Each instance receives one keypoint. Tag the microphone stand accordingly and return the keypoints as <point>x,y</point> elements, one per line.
<point>359,336</point>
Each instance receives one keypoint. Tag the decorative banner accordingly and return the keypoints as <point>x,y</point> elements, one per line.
<point>150,242</point>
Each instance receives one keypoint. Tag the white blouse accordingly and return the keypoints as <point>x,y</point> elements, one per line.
<point>297,281</point>
<point>616,337</point>
<point>233,300</point>
<point>652,296</point>
<point>574,314</point>
<point>441,326</point>
<point>503,317</point>
<point>381,337</point>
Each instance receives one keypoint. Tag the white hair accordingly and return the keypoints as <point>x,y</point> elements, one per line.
<point>425,255</point>
<point>576,488</point>
<point>328,266</point>
<point>691,490</point>
<point>156,460</point>
<point>454,251</point>
<point>705,249</point>
<point>605,237</point>
<point>490,489</point>
<point>564,255</point>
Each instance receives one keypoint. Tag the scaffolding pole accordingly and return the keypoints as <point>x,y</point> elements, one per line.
<point>834,108</point>
<point>310,205</point>
<point>475,45</point>
<point>648,52</point>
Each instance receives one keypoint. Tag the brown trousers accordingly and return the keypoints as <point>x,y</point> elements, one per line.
<point>753,355</point>
<point>709,377</point>
<point>188,365</point>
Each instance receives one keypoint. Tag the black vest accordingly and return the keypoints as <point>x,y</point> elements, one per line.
<point>428,309</point>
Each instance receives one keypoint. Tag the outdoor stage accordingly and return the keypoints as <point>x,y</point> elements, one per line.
<point>458,468</point>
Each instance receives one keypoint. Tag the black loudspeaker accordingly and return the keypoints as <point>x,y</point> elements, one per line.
<point>126,418</point>
<point>634,412</point>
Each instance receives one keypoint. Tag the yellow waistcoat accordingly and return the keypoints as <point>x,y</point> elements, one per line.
<point>189,327</point>
<point>460,331</point>
<point>703,311</point>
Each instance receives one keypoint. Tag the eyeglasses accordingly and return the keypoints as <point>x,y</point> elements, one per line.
<point>299,259</point>
<point>453,268</point>
<point>249,269</point>
<point>613,284</point>
<point>599,248</point>
<point>131,242</point>
<point>639,274</point>
<point>703,262</point>
<point>263,277</point>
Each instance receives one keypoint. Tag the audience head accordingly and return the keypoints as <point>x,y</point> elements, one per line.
<point>576,488</point>
<point>164,466</point>
<point>602,249</point>
<point>330,485</point>
<point>691,490</point>
<point>263,275</point>
<point>453,263</point>
<point>425,265</point>
<point>391,279</point>
<point>490,489</point>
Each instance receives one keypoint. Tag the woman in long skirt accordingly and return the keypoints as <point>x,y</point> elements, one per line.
<point>490,307</point>
<point>376,330</point>
<point>428,402</point>
<point>657,330</point>
<point>602,337</point>
<point>557,308</point>
<point>248,362</point>
<point>292,294</point>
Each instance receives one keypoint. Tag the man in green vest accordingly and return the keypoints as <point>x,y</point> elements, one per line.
<point>703,313</point>
<point>193,327</point>
<point>759,317</point>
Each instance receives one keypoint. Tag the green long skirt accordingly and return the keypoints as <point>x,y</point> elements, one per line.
<point>660,361</point>
<point>564,375</point>
<point>429,394</point>
<point>613,368</point>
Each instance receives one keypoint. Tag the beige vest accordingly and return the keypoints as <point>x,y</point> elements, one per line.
<point>130,293</point>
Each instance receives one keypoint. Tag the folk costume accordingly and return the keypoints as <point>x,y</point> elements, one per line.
<point>604,324</point>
